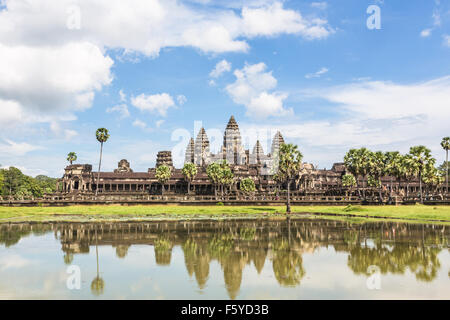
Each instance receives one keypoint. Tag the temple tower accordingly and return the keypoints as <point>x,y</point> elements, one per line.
<point>190,152</point>
<point>232,149</point>
<point>201,149</point>
<point>164,158</point>
<point>258,152</point>
<point>277,141</point>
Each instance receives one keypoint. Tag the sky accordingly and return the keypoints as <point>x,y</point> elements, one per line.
<point>330,75</point>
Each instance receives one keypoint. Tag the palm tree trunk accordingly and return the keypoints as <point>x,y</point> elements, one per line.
<point>99,166</point>
<point>420,186</point>
<point>189,187</point>
<point>288,205</point>
<point>380,190</point>
<point>446,173</point>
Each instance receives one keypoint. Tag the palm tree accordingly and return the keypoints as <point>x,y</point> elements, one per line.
<point>408,169</point>
<point>189,172</point>
<point>163,174</point>
<point>445,143</point>
<point>393,167</point>
<point>421,155</point>
<point>213,171</point>
<point>357,163</point>
<point>226,177</point>
<point>102,136</point>
<point>289,166</point>
<point>378,168</point>
<point>71,157</point>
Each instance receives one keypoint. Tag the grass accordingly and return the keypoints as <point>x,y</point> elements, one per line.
<point>116,212</point>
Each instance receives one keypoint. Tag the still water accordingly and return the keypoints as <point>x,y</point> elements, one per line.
<point>289,259</point>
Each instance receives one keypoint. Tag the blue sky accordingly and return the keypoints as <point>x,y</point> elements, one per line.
<point>144,70</point>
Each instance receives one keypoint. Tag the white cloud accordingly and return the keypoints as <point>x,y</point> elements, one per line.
<point>123,96</point>
<point>447,40</point>
<point>436,18</point>
<point>220,68</point>
<point>251,89</point>
<point>121,109</point>
<point>37,81</point>
<point>273,19</point>
<point>147,26</point>
<point>140,124</point>
<point>157,103</point>
<point>319,5</point>
<point>317,74</point>
<point>426,33</point>
<point>181,99</point>
<point>15,148</point>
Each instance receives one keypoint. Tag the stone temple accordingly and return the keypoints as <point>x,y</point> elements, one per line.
<point>258,164</point>
<point>232,150</point>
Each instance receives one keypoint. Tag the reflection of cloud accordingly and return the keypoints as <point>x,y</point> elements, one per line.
<point>13,261</point>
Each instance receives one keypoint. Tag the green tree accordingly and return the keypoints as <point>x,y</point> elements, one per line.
<point>421,156</point>
<point>289,166</point>
<point>12,179</point>
<point>408,170</point>
<point>163,174</point>
<point>226,177</point>
<point>214,172</point>
<point>71,157</point>
<point>348,181</point>
<point>357,163</point>
<point>378,168</point>
<point>189,172</point>
<point>445,143</point>
<point>247,185</point>
<point>2,180</point>
<point>394,167</point>
<point>102,136</point>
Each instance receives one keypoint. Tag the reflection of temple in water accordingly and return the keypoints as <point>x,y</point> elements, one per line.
<point>393,247</point>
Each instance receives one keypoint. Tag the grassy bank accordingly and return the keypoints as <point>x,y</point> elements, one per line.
<point>77,213</point>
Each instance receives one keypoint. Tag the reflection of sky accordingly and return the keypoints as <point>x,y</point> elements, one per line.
<point>34,268</point>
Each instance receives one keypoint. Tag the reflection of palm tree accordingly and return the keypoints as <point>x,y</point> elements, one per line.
<point>68,258</point>
<point>98,284</point>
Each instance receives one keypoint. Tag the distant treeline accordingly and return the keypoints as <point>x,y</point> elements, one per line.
<point>13,182</point>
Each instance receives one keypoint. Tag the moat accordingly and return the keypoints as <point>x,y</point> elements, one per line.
<point>254,259</point>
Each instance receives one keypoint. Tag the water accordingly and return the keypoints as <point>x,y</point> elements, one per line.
<point>296,259</point>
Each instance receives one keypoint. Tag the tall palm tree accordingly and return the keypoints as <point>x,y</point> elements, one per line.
<point>378,168</point>
<point>289,166</point>
<point>102,136</point>
<point>421,155</point>
<point>71,157</point>
<point>445,143</point>
<point>226,177</point>
<point>393,167</point>
<point>189,172</point>
<point>163,174</point>
<point>357,163</point>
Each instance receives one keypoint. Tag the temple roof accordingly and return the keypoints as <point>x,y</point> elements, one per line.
<point>232,124</point>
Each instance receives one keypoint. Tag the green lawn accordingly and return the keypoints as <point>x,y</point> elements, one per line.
<point>72,213</point>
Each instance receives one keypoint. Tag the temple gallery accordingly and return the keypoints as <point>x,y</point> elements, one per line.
<point>258,165</point>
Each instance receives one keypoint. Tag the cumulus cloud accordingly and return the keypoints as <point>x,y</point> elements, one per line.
<point>251,89</point>
<point>157,103</point>
<point>50,80</point>
<point>220,68</point>
<point>273,19</point>
<point>317,74</point>
<point>147,26</point>
<point>121,109</point>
